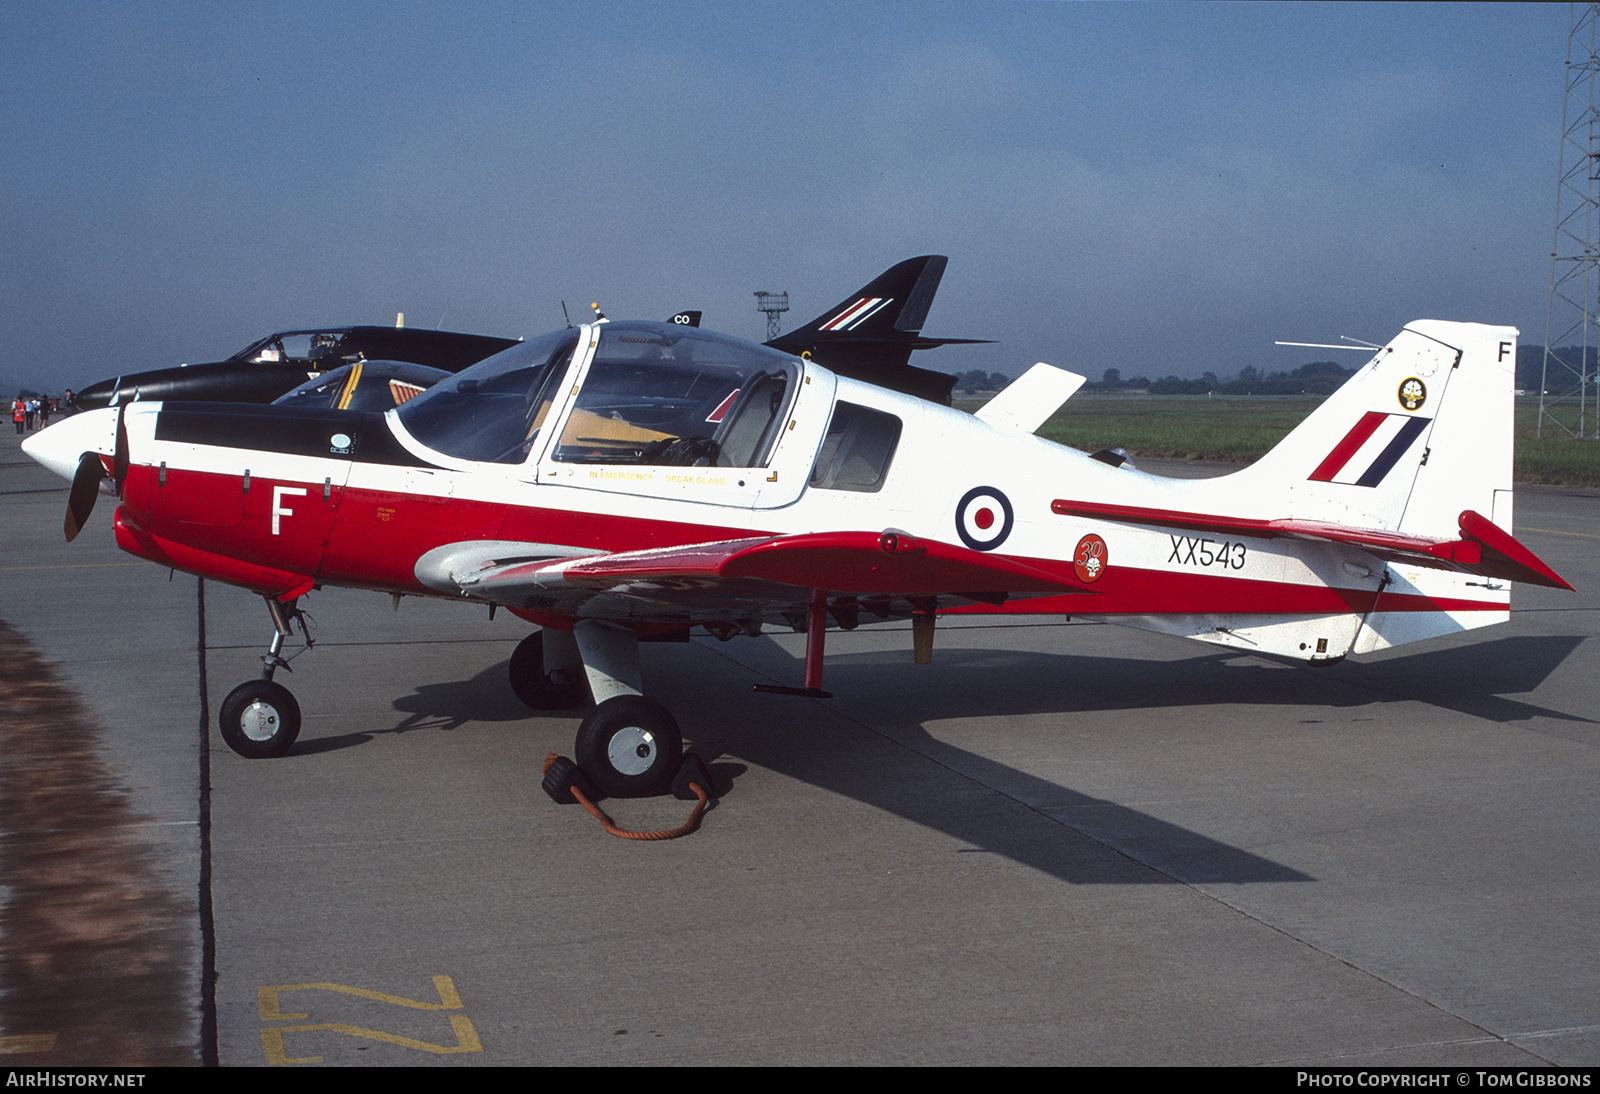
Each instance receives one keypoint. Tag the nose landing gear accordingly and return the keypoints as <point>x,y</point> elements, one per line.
<point>260,718</point>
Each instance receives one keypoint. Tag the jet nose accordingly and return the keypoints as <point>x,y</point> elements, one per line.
<point>99,395</point>
<point>60,446</point>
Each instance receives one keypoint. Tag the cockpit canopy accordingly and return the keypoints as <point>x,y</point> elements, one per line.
<point>654,394</point>
<point>364,385</point>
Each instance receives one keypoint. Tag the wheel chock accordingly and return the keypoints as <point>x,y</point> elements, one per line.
<point>562,777</point>
<point>692,770</point>
<point>566,784</point>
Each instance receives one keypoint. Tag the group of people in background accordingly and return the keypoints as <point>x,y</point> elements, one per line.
<point>34,413</point>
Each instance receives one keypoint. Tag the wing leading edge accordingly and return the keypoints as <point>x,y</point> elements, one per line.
<point>771,572</point>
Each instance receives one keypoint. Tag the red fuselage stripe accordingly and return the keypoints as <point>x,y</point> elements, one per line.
<point>375,537</point>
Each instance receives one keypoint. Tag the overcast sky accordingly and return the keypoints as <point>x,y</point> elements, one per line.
<point>1159,188</point>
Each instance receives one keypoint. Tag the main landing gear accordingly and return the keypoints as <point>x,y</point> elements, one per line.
<point>547,671</point>
<point>260,718</point>
<point>628,746</point>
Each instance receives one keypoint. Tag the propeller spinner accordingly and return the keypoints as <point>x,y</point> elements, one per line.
<point>73,448</point>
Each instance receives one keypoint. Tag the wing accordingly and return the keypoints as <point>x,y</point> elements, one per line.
<point>761,574</point>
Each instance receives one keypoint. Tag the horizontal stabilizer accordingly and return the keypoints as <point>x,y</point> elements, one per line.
<point>1483,549</point>
<point>1028,401</point>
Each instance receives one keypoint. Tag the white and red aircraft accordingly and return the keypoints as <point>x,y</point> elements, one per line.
<point>626,481</point>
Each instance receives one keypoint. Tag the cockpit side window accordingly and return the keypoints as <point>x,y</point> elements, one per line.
<point>857,450</point>
<point>666,396</point>
<point>493,411</point>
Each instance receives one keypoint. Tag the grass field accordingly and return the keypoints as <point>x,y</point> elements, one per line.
<point>1243,429</point>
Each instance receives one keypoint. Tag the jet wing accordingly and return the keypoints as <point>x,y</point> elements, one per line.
<point>770,573</point>
<point>1483,548</point>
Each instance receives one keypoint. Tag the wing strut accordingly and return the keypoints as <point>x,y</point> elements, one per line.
<point>816,630</point>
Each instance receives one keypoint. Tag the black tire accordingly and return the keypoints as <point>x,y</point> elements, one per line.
<point>260,719</point>
<point>534,687</point>
<point>629,747</point>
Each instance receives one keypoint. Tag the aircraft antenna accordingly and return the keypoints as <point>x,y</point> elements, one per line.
<point>774,304</point>
<point>1567,393</point>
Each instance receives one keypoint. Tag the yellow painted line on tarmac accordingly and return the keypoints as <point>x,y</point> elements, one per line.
<point>449,998</point>
<point>273,1048</point>
<point>272,1037</point>
<point>27,1042</point>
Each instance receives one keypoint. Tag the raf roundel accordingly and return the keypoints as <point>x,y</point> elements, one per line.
<point>983,518</point>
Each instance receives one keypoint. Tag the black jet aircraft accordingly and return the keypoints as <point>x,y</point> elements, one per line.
<point>868,336</point>
<point>272,366</point>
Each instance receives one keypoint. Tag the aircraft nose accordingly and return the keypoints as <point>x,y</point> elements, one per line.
<point>60,446</point>
<point>98,395</point>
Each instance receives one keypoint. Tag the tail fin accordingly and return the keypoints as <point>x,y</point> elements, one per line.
<point>870,334</point>
<point>891,307</point>
<point>1418,436</point>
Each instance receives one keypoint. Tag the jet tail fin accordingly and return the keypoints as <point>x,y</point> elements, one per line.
<point>871,334</point>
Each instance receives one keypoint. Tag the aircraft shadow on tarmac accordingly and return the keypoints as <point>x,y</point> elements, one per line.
<point>487,697</point>
<point>956,794</point>
<point>1472,679</point>
<point>990,683</point>
<point>1064,833</point>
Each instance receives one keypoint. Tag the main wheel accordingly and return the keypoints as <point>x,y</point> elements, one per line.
<point>259,719</point>
<point>541,690</point>
<point>629,746</point>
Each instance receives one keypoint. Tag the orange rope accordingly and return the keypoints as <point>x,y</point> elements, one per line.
<point>622,833</point>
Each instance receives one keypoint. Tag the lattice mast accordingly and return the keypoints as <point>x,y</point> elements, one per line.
<point>774,304</point>
<point>1572,324</point>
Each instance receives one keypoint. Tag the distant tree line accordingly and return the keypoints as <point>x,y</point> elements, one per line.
<point>1317,378</point>
<point>978,380</point>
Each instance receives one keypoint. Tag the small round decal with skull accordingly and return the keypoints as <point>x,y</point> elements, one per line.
<point>1089,560</point>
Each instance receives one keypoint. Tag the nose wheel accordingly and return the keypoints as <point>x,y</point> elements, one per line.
<point>259,719</point>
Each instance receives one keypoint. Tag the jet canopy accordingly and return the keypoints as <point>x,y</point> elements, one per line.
<point>651,393</point>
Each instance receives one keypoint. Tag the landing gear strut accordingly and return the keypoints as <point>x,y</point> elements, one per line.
<point>628,745</point>
<point>547,673</point>
<point>260,718</point>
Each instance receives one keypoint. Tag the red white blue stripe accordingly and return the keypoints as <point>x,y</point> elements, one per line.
<point>857,313</point>
<point>1370,450</point>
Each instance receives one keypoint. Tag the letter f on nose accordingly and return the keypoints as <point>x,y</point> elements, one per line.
<point>278,509</point>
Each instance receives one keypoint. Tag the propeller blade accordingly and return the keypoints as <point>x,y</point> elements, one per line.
<point>119,461</point>
<point>85,488</point>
